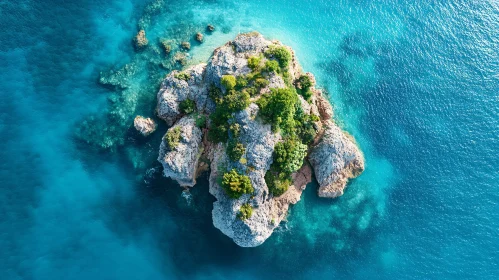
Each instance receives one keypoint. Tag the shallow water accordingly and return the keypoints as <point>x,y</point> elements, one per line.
<point>415,83</point>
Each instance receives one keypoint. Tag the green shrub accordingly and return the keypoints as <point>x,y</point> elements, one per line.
<point>217,133</point>
<point>280,53</point>
<point>236,101</point>
<point>200,121</point>
<point>254,63</point>
<point>289,155</point>
<point>272,66</point>
<point>305,83</point>
<point>251,91</point>
<point>215,94</point>
<point>278,108</point>
<point>235,150</point>
<point>245,212</point>
<point>172,137</point>
<point>183,76</point>
<point>307,94</point>
<point>226,105</point>
<point>235,184</point>
<point>306,132</point>
<point>287,79</point>
<point>304,126</point>
<point>234,129</point>
<point>261,83</point>
<point>253,76</point>
<point>187,106</point>
<point>241,82</point>
<point>277,186</point>
<point>228,81</point>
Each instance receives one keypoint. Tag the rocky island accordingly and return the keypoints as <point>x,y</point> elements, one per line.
<point>262,129</point>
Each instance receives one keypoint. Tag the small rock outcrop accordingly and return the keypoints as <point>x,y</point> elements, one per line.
<point>180,162</point>
<point>185,45</point>
<point>140,40</point>
<point>145,126</point>
<point>257,169</point>
<point>335,160</point>
<point>199,37</point>
<point>210,28</point>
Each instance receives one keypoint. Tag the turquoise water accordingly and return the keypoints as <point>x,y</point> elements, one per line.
<point>417,84</point>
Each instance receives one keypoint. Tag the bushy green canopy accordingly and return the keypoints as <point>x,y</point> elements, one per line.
<point>278,108</point>
<point>245,212</point>
<point>235,184</point>
<point>228,81</point>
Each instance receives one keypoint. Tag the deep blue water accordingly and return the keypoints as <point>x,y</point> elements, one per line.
<point>416,83</point>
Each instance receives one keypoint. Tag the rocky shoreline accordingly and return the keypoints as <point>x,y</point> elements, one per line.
<point>261,157</point>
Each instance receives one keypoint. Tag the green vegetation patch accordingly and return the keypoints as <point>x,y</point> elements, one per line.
<point>289,155</point>
<point>272,66</point>
<point>173,137</point>
<point>200,120</point>
<point>304,84</point>
<point>245,212</point>
<point>235,184</point>
<point>280,53</point>
<point>278,108</point>
<point>232,102</point>
<point>183,76</point>
<point>304,126</point>
<point>235,150</point>
<point>254,63</point>
<point>288,158</point>
<point>277,183</point>
<point>228,81</point>
<point>187,106</point>
<point>241,82</point>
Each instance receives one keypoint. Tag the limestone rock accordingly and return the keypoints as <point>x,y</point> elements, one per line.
<point>145,126</point>
<point>259,141</point>
<point>323,106</point>
<point>174,90</point>
<point>210,28</point>
<point>180,163</point>
<point>335,159</point>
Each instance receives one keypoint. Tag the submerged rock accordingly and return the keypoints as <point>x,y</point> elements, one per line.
<point>185,45</point>
<point>250,216</point>
<point>335,160</point>
<point>210,28</point>
<point>199,37</point>
<point>167,45</point>
<point>180,162</point>
<point>140,40</point>
<point>145,126</point>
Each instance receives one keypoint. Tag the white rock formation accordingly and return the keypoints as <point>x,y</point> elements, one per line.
<point>145,126</point>
<point>181,163</point>
<point>335,160</point>
<point>174,90</point>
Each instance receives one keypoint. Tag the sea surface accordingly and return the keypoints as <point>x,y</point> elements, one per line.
<point>415,82</point>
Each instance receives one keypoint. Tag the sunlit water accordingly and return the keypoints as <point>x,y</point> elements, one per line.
<point>417,84</point>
